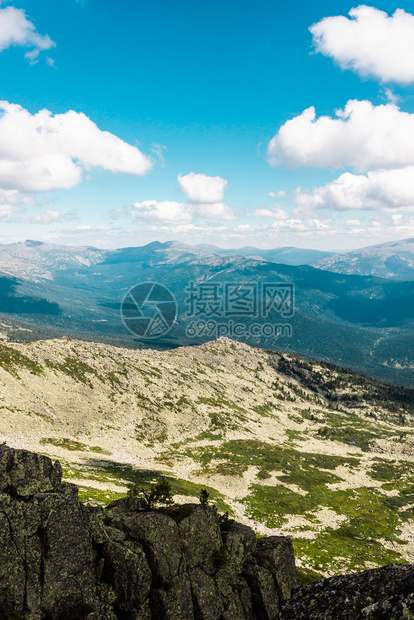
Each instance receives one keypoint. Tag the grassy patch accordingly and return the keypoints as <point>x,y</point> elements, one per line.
<point>76,369</point>
<point>242,453</point>
<point>90,495</point>
<point>371,518</point>
<point>12,361</point>
<point>70,444</point>
<point>209,435</point>
<point>387,471</point>
<point>349,435</point>
<point>307,575</point>
<point>127,474</point>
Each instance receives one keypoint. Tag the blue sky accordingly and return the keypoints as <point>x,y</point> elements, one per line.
<point>192,94</point>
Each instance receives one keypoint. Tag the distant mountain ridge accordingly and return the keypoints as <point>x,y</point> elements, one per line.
<point>288,255</point>
<point>361,322</point>
<point>394,259</point>
<point>36,260</point>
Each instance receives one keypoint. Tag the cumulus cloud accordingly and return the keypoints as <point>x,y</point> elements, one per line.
<point>207,195</point>
<point>42,152</point>
<point>370,43</point>
<point>215,211</point>
<point>202,188</point>
<point>165,211</point>
<point>362,136</point>
<point>17,30</point>
<point>379,190</point>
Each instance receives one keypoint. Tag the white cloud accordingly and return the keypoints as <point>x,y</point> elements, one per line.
<point>11,201</point>
<point>16,29</point>
<point>379,190</point>
<point>48,217</point>
<point>179,213</point>
<point>353,223</point>
<point>392,97</point>
<point>87,228</point>
<point>42,152</point>
<point>280,194</point>
<point>277,214</point>
<point>166,211</point>
<point>158,150</point>
<point>206,193</point>
<point>370,43</point>
<point>304,226</point>
<point>202,188</point>
<point>187,228</point>
<point>7,209</point>
<point>215,211</point>
<point>362,136</point>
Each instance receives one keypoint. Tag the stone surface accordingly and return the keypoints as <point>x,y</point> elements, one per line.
<point>62,560</point>
<point>385,593</point>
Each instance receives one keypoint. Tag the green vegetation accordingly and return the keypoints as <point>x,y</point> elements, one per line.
<point>237,455</point>
<point>76,369</point>
<point>204,496</point>
<point>120,474</point>
<point>307,575</point>
<point>370,517</point>
<point>390,471</point>
<point>155,493</point>
<point>334,383</point>
<point>12,360</point>
<point>349,435</point>
<point>209,435</point>
<point>91,495</point>
<point>70,444</point>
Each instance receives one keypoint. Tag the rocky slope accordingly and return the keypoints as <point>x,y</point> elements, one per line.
<point>61,560</point>
<point>35,260</point>
<point>382,594</point>
<point>288,446</point>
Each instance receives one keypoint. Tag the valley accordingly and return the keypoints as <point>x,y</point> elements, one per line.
<point>361,322</point>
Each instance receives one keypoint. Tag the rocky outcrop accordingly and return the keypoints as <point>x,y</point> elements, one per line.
<point>62,560</point>
<point>385,593</point>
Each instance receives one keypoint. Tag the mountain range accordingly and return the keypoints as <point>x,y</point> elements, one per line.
<point>361,322</point>
<point>394,259</point>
